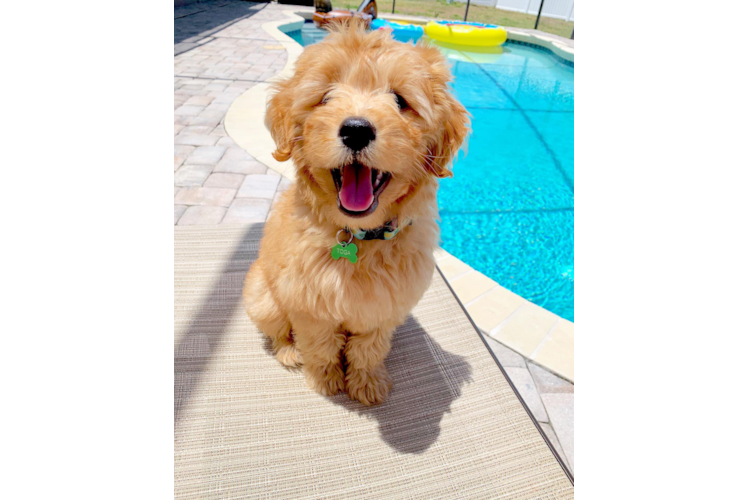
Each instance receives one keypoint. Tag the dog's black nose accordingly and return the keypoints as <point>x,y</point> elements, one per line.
<point>357,133</point>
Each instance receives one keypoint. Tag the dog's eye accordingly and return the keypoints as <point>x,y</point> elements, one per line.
<point>325,99</point>
<point>401,102</point>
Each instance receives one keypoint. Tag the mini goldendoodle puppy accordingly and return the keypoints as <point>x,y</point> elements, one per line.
<point>370,125</point>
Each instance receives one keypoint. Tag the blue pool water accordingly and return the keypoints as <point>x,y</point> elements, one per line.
<point>508,211</point>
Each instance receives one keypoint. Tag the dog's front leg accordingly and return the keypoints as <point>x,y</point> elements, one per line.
<point>320,344</point>
<point>366,377</point>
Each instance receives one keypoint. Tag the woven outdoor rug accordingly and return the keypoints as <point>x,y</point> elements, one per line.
<point>245,427</point>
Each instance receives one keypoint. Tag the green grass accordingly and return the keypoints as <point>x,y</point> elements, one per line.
<point>440,9</point>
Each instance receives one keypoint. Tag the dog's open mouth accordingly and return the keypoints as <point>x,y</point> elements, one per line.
<point>359,188</point>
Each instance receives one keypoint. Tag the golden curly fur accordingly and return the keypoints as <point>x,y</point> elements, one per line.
<point>334,317</point>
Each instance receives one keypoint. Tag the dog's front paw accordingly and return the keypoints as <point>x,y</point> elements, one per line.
<point>288,355</point>
<point>328,380</point>
<point>370,387</point>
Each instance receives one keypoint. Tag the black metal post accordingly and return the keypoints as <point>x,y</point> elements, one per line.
<point>537,19</point>
<point>572,34</point>
<point>466,10</point>
<point>393,6</point>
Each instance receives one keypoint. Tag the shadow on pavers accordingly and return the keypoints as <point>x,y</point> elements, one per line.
<point>195,21</point>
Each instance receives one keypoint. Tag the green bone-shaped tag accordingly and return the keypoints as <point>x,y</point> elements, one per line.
<point>347,252</point>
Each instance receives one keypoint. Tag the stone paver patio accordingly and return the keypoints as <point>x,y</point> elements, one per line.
<point>549,398</point>
<point>221,51</point>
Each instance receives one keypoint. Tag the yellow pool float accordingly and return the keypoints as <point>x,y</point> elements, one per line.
<point>465,34</point>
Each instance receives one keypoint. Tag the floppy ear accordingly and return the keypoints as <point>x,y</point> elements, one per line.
<point>278,119</point>
<point>455,121</point>
<point>449,114</point>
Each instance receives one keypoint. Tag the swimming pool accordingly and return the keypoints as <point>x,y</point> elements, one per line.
<point>508,212</point>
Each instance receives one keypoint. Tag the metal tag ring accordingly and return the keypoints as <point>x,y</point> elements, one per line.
<point>337,237</point>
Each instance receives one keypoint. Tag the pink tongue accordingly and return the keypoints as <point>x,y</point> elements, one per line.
<point>356,192</point>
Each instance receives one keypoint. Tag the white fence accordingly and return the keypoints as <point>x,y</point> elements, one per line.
<point>559,9</point>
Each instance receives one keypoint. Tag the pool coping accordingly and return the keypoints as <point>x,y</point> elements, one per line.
<point>534,332</point>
